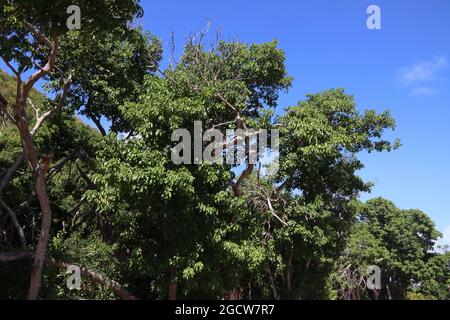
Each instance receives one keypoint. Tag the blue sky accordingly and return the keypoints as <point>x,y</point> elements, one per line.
<point>404,67</point>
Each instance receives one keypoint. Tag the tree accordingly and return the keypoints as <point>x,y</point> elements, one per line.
<point>206,237</point>
<point>180,212</point>
<point>140,225</point>
<point>27,29</point>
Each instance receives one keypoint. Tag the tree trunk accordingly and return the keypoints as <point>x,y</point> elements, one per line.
<point>172,294</point>
<point>172,291</point>
<point>235,294</point>
<point>39,172</point>
<point>116,287</point>
<point>388,290</point>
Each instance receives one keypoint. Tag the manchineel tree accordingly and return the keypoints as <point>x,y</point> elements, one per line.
<point>113,202</point>
<point>401,243</point>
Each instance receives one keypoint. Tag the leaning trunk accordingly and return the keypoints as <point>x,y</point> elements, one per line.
<point>39,257</point>
<point>39,171</point>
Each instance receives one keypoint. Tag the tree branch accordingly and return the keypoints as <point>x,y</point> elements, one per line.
<point>38,35</point>
<point>59,106</point>
<point>10,172</point>
<point>97,122</point>
<point>42,71</point>
<point>116,287</point>
<point>237,186</point>
<point>15,255</point>
<point>88,180</point>
<point>269,203</point>
<point>58,167</point>
<point>226,102</point>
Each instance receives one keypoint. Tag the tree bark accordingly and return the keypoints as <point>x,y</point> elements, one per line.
<point>289,273</point>
<point>388,290</point>
<point>273,285</point>
<point>172,291</point>
<point>116,287</point>
<point>97,123</point>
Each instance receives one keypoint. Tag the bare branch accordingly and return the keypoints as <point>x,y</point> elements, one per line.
<point>116,287</point>
<point>42,71</point>
<point>39,36</point>
<point>14,255</point>
<point>222,124</point>
<point>172,51</point>
<point>10,172</point>
<point>226,102</point>
<point>36,110</point>
<point>163,73</point>
<point>4,109</point>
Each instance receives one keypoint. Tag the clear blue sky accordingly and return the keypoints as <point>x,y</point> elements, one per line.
<point>405,67</point>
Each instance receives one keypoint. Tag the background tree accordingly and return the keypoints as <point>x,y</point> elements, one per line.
<point>262,231</point>
<point>434,282</point>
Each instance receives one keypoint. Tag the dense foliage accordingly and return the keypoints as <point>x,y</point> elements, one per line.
<point>122,209</point>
